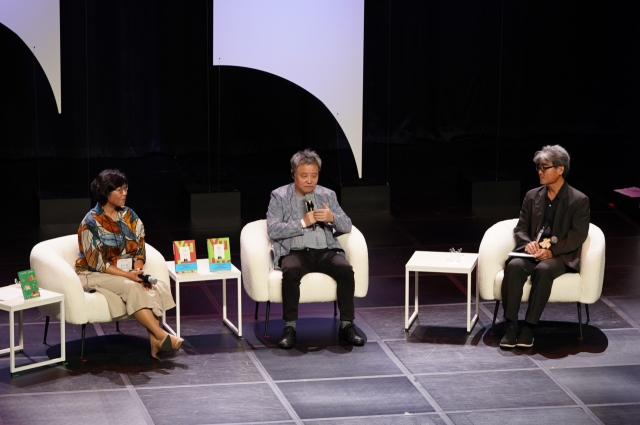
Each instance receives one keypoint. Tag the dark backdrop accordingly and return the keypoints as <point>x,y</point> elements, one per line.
<point>137,79</point>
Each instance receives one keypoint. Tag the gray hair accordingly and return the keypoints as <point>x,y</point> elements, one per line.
<point>305,157</point>
<point>556,155</point>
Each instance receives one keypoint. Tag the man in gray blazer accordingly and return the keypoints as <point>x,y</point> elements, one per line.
<point>303,221</point>
<point>553,225</point>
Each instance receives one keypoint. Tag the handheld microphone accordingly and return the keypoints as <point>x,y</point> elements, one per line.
<point>554,239</point>
<point>147,278</point>
<point>309,203</point>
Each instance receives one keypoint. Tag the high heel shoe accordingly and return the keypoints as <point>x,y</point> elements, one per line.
<point>176,342</point>
<point>156,346</point>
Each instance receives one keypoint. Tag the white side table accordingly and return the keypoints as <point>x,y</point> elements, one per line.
<point>437,262</point>
<point>18,303</point>
<point>202,275</point>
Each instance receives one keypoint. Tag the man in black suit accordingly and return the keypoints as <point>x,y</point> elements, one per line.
<point>553,225</point>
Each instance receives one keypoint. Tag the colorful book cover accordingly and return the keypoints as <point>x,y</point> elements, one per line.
<point>184,255</point>
<point>219,253</point>
<point>29,284</point>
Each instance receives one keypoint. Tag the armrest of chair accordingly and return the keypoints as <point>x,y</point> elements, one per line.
<point>357,254</point>
<point>592,265</point>
<point>497,242</point>
<point>156,265</point>
<point>255,256</point>
<point>54,273</point>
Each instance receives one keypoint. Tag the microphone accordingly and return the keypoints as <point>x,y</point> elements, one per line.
<point>309,203</point>
<point>147,278</point>
<point>554,239</point>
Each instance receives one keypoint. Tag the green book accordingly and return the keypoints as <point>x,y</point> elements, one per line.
<point>29,284</point>
<point>219,254</point>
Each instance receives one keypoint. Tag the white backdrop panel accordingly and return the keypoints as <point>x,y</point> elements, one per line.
<point>316,44</point>
<point>37,23</point>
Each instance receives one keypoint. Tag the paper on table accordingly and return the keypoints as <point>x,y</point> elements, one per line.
<point>520,254</point>
<point>631,192</point>
<point>10,292</point>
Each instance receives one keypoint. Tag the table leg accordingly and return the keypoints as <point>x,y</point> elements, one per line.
<point>471,322</point>
<point>12,354</point>
<point>164,313</point>
<point>239,280</point>
<point>178,309</point>
<point>20,332</point>
<point>63,338</point>
<point>225,319</point>
<point>408,321</point>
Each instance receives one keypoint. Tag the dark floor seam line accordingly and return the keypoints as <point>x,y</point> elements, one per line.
<point>395,415</point>
<point>567,391</point>
<point>125,379</point>
<point>219,384</point>
<point>41,393</point>
<point>339,378</point>
<point>272,384</point>
<point>423,391</point>
<point>620,313</point>
<point>514,409</point>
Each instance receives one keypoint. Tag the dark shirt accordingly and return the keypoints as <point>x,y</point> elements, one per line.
<point>550,208</point>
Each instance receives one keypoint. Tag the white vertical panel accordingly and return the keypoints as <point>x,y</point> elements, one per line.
<point>316,44</point>
<point>37,23</point>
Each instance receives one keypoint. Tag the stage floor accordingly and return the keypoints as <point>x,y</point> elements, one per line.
<point>434,374</point>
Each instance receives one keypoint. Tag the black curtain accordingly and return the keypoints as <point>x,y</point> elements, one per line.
<point>137,78</point>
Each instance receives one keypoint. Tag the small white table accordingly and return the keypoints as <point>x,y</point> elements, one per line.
<point>202,275</point>
<point>438,262</point>
<point>18,303</point>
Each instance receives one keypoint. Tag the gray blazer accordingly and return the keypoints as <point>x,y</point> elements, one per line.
<point>283,220</point>
<point>570,225</point>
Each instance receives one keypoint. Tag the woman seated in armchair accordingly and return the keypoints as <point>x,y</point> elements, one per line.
<point>111,261</point>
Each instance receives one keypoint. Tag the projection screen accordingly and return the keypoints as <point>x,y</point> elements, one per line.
<point>37,23</point>
<point>316,44</point>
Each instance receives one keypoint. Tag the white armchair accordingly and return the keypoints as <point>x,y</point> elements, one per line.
<point>54,260</point>
<point>264,284</point>
<point>582,288</point>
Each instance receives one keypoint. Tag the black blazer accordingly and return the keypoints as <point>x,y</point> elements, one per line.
<point>570,225</point>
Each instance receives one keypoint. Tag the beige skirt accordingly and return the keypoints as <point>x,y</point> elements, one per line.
<point>125,296</point>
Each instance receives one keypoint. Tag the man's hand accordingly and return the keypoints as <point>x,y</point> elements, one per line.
<point>543,254</point>
<point>309,219</point>
<point>532,247</point>
<point>323,215</point>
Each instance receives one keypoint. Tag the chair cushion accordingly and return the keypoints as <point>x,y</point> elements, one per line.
<point>314,287</point>
<point>566,288</point>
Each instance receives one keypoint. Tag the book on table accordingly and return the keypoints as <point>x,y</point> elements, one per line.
<point>184,255</point>
<point>219,254</point>
<point>29,284</point>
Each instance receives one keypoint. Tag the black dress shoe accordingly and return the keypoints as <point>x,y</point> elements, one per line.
<point>288,337</point>
<point>350,334</point>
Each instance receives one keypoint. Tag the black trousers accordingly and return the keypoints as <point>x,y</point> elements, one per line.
<point>542,275</point>
<point>296,264</point>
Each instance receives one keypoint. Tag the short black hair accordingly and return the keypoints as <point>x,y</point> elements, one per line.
<point>106,182</point>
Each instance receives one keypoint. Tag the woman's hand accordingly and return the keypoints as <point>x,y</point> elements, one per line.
<point>134,275</point>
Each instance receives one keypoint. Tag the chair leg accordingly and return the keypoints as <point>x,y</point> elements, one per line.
<point>586,306</point>
<point>580,320</point>
<point>46,330</point>
<point>84,329</point>
<point>495,313</point>
<point>335,308</point>
<point>266,322</point>
<point>256,315</point>
<point>117,326</point>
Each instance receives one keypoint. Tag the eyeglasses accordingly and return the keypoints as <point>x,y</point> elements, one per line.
<point>543,168</point>
<point>121,190</point>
